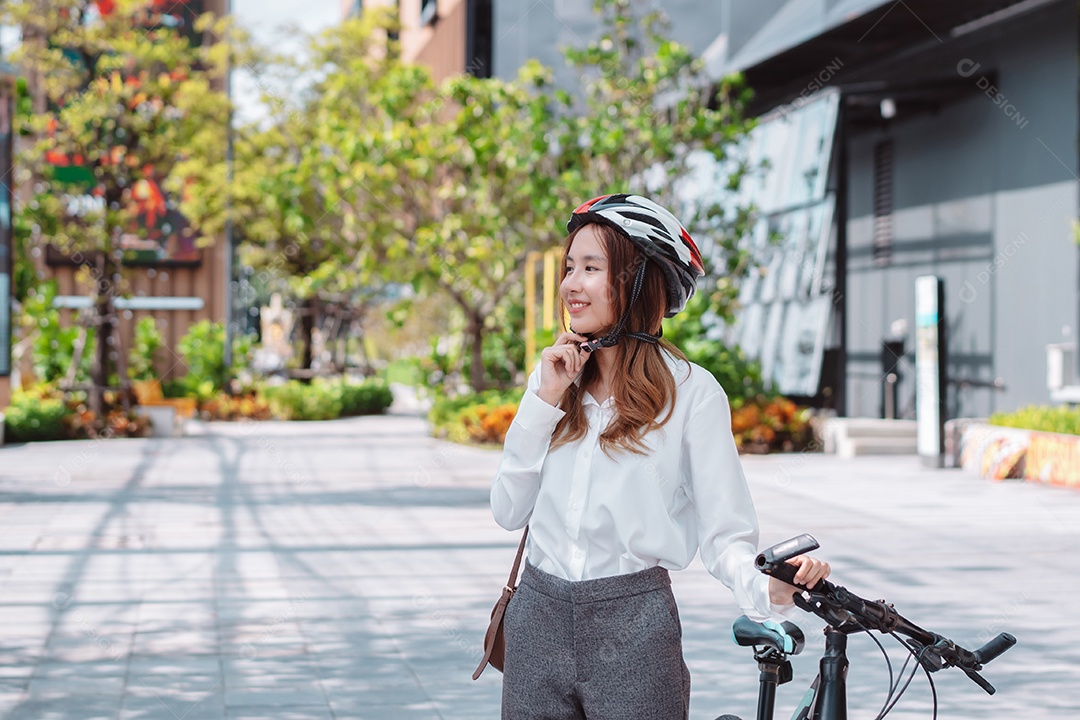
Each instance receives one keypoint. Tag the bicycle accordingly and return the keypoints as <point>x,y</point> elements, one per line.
<point>845,613</point>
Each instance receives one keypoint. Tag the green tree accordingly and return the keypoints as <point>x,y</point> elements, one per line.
<point>477,201</point>
<point>445,189</point>
<point>502,164</point>
<point>284,196</point>
<point>647,115</point>
<point>375,174</point>
<point>118,103</point>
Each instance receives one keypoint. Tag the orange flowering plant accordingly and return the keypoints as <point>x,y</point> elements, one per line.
<point>763,424</point>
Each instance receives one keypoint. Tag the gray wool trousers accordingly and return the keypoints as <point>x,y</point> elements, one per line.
<point>604,649</point>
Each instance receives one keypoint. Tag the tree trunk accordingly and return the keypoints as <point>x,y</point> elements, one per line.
<point>366,368</point>
<point>357,326</point>
<point>307,326</point>
<point>105,327</point>
<point>475,333</point>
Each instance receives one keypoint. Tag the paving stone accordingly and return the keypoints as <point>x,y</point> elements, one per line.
<point>65,708</point>
<point>277,695</point>
<point>301,570</point>
<point>256,712</point>
<point>165,706</point>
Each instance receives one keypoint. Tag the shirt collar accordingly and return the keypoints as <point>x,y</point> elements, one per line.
<point>588,399</point>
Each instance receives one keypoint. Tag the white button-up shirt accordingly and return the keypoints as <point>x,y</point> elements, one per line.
<point>591,515</point>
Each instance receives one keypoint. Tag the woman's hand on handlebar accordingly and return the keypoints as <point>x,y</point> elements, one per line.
<point>810,571</point>
<point>560,365</point>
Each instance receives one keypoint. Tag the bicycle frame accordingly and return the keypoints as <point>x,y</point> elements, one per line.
<point>827,697</point>
<point>829,690</point>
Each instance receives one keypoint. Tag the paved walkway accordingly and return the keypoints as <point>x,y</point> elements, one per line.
<point>345,570</point>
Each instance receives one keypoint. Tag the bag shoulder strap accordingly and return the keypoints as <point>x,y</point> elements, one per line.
<point>512,581</point>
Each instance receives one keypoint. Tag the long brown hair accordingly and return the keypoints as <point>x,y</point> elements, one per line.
<point>642,385</point>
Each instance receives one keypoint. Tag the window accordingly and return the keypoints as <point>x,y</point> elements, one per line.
<point>428,12</point>
<point>395,34</point>
<point>883,203</point>
<point>478,39</point>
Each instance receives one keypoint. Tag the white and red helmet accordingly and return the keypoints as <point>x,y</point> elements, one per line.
<point>654,231</point>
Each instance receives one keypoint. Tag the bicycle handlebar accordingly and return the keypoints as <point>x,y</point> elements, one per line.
<point>838,606</point>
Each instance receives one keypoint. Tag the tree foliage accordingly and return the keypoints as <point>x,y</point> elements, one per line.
<point>373,175</point>
<point>118,102</point>
<point>649,119</point>
<point>443,188</point>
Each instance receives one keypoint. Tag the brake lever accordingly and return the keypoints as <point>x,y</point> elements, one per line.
<point>822,606</point>
<point>980,681</point>
<point>928,656</point>
<point>942,654</point>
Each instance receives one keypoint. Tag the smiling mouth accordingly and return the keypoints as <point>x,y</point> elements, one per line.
<point>577,305</point>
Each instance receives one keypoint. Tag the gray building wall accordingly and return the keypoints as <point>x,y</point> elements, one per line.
<point>728,34</point>
<point>984,197</point>
<point>526,29</point>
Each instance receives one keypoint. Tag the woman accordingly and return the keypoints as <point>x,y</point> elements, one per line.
<point>622,463</point>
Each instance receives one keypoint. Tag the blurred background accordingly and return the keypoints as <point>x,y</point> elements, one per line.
<point>221,218</point>
<point>249,210</point>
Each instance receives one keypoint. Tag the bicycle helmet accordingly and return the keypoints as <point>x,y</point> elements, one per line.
<point>660,237</point>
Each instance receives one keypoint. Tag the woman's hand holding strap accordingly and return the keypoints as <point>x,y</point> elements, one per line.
<point>560,365</point>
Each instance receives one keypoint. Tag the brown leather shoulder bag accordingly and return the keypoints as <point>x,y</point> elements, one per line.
<point>494,644</point>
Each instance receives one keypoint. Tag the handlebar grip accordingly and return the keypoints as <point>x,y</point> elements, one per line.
<point>781,570</point>
<point>995,647</point>
<point>799,545</point>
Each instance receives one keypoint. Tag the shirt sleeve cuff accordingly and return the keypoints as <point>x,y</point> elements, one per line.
<point>537,417</point>
<point>787,611</point>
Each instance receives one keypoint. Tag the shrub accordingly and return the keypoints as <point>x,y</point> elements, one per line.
<point>760,424</point>
<point>127,424</point>
<point>319,400</point>
<point>294,400</point>
<point>740,378</point>
<point>43,413</point>
<point>144,348</point>
<point>770,424</point>
<point>175,388</point>
<point>81,423</point>
<point>446,408</point>
<point>1064,420</point>
<point>371,397</point>
<point>249,406</point>
<point>487,424</point>
<point>475,417</point>
<point>203,351</point>
<point>35,414</point>
<point>53,346</point>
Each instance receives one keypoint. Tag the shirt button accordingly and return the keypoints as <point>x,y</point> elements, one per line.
<point>577,506</point>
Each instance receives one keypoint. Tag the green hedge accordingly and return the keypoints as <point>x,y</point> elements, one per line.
<point>371,397</point>
<point>328,399</point>
<point>1044,419</point>
<point>34,415</point>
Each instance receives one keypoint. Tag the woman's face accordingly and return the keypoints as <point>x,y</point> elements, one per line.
<point>586,285</point>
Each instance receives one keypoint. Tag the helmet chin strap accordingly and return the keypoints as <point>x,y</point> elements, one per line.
<point>612,338</point>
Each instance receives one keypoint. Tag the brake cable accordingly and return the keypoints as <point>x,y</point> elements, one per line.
<point>918,664</point>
